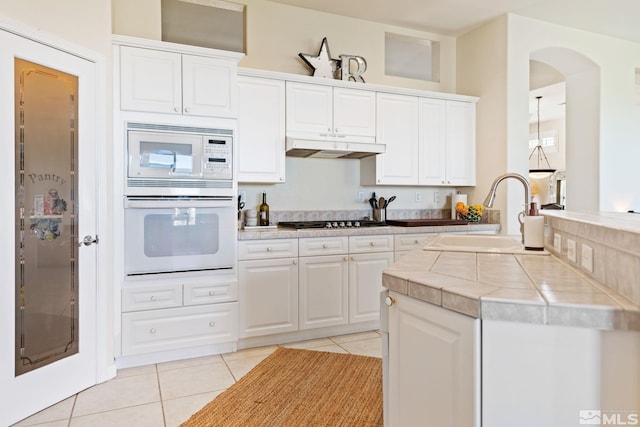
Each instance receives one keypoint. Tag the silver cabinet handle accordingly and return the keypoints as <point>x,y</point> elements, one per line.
<point>152,330</point>
<point>212,293</point>
<point>212,323</point>
<point>389,301</point>
<point>186,110</point>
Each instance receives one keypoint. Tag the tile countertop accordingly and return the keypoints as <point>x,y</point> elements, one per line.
<point>539,289</point>
<point>290,233</point>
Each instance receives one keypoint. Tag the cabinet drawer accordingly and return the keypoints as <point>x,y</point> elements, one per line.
<point>177,328</point>
<point>263,249</point>
<point>373,243</point>
<point>209,293</point>
<point>323,246</point>
<point>147,297</point>
<point>408,242</point>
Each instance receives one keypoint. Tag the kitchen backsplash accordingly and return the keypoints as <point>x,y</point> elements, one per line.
<point>614,243</point>
<point>490,216</point>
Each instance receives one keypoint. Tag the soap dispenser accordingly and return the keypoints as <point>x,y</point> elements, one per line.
<point>534,229</point>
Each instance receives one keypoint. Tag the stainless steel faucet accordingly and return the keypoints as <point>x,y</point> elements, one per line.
<point>488,202</point>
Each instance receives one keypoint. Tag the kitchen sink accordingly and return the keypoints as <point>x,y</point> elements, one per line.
<point>485,243</point>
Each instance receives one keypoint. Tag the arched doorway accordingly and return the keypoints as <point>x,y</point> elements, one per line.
<point>582,124</point>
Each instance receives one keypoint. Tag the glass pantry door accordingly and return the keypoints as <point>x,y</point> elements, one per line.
<point>52,303</point>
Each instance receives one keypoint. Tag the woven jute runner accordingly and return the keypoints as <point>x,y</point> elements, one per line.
<point>293,387</point>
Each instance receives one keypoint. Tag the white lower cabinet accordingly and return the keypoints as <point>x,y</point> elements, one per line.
<point>405,243</point>
<point>268,296</point>
<point>325,282</point>
<point>160,315</point>
<point>268,276</point>
<point>324,291</point>
<point>433,373</point>
<point>170,329</point>
<point>365,284</point>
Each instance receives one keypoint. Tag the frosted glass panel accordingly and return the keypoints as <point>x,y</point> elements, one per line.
<point>46,182</point>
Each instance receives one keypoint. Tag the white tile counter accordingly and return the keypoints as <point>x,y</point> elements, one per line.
<point>522,288</point>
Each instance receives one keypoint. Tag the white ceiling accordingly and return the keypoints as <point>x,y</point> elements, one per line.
<point>616,18</point>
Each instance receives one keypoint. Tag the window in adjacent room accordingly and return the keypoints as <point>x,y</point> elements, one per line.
<point>549,141</point>
<point>412,57</point>
<point>215,24</point>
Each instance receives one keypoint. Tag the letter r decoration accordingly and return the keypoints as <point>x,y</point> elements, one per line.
<point>345,67</point>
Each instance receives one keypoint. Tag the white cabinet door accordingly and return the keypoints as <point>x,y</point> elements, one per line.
<point>434,365</point>
<point>209,86</point>
<point>447,142</point>
<point>461,143</point>
<point>261,130</point>
<point>150,80</point>
<point>168,82</point>
<point>354,114</point>
<point>365,285</point>
<point>268,296</point>
<point>324,292</point>
<point>397,127</point>
<point>433,147</point>
<point>309,109</point>
<point>176,328</point>
<point>320,111</point>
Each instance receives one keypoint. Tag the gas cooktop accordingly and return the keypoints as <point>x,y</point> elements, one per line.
<point>330,224</point>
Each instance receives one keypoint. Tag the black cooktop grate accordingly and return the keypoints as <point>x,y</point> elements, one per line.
<point>330,224</point>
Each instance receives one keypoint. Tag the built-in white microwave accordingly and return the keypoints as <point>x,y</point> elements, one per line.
<point>178,161</point>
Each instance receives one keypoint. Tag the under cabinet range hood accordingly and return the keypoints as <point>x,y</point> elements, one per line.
<point>331,149</point>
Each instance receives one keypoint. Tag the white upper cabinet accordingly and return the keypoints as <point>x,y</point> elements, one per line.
<point>461,143</point>
<point>397,128</point>
<point>447,142</point>
<point>429,141</point>
<point>168,82</point>
<point>261,129</point>
<point>319,111</point>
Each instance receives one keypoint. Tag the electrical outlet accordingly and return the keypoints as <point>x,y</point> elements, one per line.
<point>571,250</point>
<point>243,196</point>
<point>587,258</point>
<point>436,197</point>
<point>418,196</point>
<point>361,196</point>
<point>557,243</point>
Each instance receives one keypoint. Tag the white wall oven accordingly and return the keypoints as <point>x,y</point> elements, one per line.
<point>168,160</point>
<point>179,234</point>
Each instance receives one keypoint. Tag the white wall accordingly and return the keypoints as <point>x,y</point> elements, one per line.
<point>324,184</point>
<point>499,53</point>
<point>276,33</point>
<point>86,23</point>
<point>618,129</point>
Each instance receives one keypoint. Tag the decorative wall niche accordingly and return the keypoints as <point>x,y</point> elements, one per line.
<point>412,57</point>
<point>207,23</point>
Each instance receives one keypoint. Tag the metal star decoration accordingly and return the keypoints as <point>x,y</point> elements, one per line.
<point>322,64</point>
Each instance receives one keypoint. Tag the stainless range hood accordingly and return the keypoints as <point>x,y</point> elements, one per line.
<point>331,149</point>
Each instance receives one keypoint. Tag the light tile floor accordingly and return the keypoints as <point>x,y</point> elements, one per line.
<point>167,394</point>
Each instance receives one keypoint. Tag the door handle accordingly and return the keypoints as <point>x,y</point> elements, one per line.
<point>88,240</point>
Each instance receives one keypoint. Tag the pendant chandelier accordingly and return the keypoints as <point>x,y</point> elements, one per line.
<point>540,172</point>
